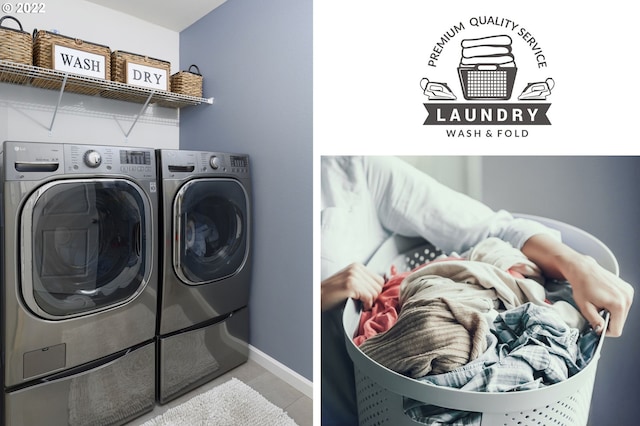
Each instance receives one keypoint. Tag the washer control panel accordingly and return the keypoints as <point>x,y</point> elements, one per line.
<point>35,160</point>
<point>134,162</point>
<point>92,158</point>
<point>215,162</point>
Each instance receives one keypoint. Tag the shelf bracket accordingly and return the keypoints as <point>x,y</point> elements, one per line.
<point>142,110</point>
<point>55,112</point>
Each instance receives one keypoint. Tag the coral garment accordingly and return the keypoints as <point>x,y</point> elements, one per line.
<point>384,312</point>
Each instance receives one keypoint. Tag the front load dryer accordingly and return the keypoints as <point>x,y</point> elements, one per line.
<point>79,283</point>
<point>203,325</point>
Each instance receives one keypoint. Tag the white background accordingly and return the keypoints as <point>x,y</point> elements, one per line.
<point>369,57</point>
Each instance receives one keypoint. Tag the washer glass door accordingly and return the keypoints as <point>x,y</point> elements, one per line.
<point>84,246</point>
<point>211,227</point>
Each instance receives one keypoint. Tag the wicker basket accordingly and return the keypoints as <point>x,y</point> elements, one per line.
<point>43,56</point>
<point>15,46</point>
<point>187,82</point>
<point>381,391</point>
<point>119,61</point>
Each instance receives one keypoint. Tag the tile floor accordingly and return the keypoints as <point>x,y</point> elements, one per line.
<point>297,405</point>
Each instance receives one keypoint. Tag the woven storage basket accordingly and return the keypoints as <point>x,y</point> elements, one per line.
<point>119,61</point>
<point>187,82</point>
<point>43,56</point>
<point>15,46</point>
<point>381,392</point>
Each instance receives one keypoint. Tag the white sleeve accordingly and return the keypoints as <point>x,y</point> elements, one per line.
<point>412,203</point>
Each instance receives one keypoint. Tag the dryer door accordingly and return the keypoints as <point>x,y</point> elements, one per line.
<point>211,230</point>
<point>85,246</point>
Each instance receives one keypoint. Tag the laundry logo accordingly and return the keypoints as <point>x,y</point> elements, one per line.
<point>474,79</point>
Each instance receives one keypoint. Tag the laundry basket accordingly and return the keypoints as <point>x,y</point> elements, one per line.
<point>380,391</point>
<point>482,84</point>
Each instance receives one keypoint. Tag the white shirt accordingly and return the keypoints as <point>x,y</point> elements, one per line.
<point>366,199</point>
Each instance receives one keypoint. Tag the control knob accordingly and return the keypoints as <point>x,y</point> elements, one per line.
<point>214,162</point>
<point>92,158</point>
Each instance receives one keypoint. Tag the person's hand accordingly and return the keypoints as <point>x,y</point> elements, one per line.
<point>594,289</point>
<point>356,282</point>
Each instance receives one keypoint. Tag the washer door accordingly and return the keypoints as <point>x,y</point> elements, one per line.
<point>211,230</point>
<point>84,246</point>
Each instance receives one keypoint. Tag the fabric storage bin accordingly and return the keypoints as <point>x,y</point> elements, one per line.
<point>187,82</point>
<point>45,44</point>
<point>381,391</point>
<point>15,46</point>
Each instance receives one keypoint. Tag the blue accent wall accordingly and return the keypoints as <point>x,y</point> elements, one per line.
<point>256,59</point>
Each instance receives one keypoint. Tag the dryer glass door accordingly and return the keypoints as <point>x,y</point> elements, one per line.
<point>84,246</point>
<point>211,225</point>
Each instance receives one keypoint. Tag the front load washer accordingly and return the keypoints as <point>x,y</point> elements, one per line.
<point>79,283</point>
<point>203,326</point>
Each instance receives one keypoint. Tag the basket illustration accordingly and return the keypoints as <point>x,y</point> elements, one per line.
<point>487,83</point>
<point>381,392</point>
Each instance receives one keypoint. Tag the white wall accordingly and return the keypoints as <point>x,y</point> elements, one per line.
<point>26,113</point>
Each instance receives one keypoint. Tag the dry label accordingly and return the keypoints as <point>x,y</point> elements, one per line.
<point>79,62</point>
<point>145,76</point>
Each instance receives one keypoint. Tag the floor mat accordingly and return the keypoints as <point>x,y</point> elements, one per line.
<point>229,404</point>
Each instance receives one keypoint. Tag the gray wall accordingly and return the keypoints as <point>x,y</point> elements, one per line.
<point>256,58</point>
<point>601,196</point>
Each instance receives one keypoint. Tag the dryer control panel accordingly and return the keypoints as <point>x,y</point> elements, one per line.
<point>233,163</point>
<point>181,164</point>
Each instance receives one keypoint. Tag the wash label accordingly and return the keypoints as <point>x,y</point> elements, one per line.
<point>79,62</point>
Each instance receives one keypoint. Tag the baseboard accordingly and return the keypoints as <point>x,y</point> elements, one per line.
<point>299,382</point>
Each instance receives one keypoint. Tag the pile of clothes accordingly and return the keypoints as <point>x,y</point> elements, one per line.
<point>482,321</point>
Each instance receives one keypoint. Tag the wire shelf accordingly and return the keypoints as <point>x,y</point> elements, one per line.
<point>15,73</point>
